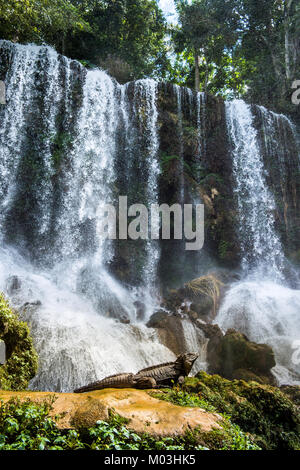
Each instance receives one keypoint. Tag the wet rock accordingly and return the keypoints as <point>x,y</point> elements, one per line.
<point>202,296</point>
<point>13,284</point>
<point>36,303</point>
<point>170,330</point>
<point>234,356</point>
<point>248,376</point>
<point>140,310</point>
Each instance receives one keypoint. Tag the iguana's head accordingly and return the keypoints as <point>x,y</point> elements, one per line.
<point>187,360</point>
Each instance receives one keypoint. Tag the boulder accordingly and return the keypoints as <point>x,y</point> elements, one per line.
<point>170,330</point>
<point>235,357</point>
<point>259,409</point>
<point>201,296</point>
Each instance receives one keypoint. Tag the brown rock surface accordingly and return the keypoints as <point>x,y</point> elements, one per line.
<point>145,413</point>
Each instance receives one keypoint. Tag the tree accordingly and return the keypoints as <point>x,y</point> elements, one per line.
<point>40,21</point>
<point>241,47</point>
<point>124,33</point>
<point>270,40</point>
<point>207,29</point>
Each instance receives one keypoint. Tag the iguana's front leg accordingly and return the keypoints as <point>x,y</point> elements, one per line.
<point>145,382</point>
<point>180,380</point>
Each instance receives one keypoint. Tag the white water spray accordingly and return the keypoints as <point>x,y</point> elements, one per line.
<point>71,298</point>
<point>259,306</point>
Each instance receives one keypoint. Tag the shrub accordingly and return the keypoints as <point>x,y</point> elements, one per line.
<point>21,363</point>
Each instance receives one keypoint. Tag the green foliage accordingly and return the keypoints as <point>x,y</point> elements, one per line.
<point>61,142</point>
<point>127,38</point>
<point>39,20</point>
<point>207,32</point>
<point>244,48</point>
<point>261,410</point>
<point>166,160</point>
<point>229,437</point>
<point>223,248</point>
<point>21,363</point>
<point>27,426</point>
<point>180,397</point>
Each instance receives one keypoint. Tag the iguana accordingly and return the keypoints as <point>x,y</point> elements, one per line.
<point>162,375</point>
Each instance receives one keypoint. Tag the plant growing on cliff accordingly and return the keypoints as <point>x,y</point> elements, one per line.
<point>206,285</point>
<point>21,363</point>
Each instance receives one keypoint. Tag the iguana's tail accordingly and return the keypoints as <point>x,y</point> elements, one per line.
<point>113,381</point>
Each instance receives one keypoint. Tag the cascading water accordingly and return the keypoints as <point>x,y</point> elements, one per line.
<point>178,92</point>
<point>255,202</point>
<point>260,306</point>
<point>72,140</point>
<point>51,197</point>
<point>195,341</point>
<point>145,94</point>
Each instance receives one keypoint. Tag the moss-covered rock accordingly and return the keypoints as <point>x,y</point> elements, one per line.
<point>261,410</point>
<point>293,392</point>
<point>21,358</point>
<point>233,356</point>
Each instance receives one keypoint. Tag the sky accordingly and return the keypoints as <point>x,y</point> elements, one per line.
<point>168,8</point>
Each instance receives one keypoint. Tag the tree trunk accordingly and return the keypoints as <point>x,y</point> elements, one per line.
<point>197,75</point>
<point>287,44</point>
<point>206,75</point>
<point>63,44</point>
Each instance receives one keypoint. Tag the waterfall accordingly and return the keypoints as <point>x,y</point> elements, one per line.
<point>259,241</point>
<point>60,146</point>
<point>179,92</point>
<point>145,98</point>
<point>195,341</point>
<point>261,306</point>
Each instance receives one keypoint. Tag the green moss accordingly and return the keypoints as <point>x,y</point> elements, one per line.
<point>21,363</point>
<point>229,437</point>
<point>223,248</point>
<point>261,410</point>
<point>183,398</point>
<point>60,143</point>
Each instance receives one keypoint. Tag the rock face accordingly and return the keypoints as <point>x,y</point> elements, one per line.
<point>145,413</point>
<point>170,330</point>
<point>193,130</point>
<point>233,356</point>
